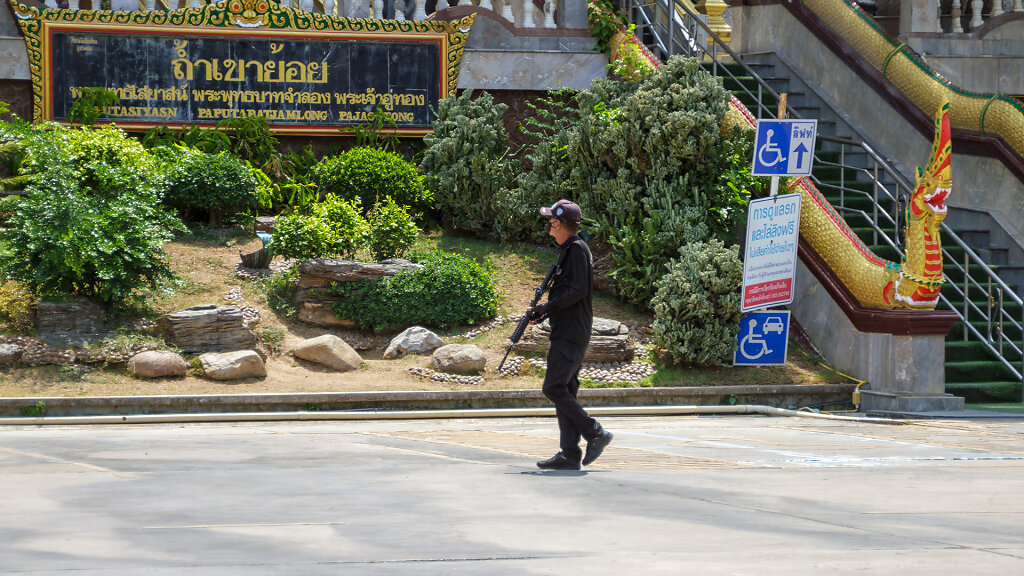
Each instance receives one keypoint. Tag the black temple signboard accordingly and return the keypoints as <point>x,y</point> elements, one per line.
<point>303,72</point>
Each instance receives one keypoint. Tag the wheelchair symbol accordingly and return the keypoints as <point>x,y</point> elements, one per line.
<point>770,148</point>
<point>755,340</point>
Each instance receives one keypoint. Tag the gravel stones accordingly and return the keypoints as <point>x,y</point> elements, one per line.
<point>435,376</point>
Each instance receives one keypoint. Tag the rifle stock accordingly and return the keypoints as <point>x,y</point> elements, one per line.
<point>528,315</point>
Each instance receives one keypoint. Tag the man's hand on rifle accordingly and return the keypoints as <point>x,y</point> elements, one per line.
<point>537,312</point>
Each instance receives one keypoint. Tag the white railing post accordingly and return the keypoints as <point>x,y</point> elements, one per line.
<point>528,14</point>
<point>956,17</point>
<point>976,21</point>
<point>1017,6</point>
<point>486,4</point>
<point>378,9</point>
<point>997,9</point>
<point>549,14</point>
<point>421,10</point>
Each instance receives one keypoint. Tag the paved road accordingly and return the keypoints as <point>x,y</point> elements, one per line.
<point>741,495</point>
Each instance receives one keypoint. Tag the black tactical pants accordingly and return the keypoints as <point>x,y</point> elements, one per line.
<point>561,384</point>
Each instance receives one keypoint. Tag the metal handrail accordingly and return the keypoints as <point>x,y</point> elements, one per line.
<point>667,18</point>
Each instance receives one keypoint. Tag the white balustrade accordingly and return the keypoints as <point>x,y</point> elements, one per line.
<point>421,13</point>
<point>377,8</point>
<point>528,14</point>
<point>956,17</point>
<point>997,9</point>
<point>487,4</point>
<point>976,14</point>
<point>1017,6</point>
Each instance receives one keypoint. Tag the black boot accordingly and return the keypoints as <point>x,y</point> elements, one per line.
<point>558,462</point>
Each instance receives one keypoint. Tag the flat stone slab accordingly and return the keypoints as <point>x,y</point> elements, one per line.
<point>610,341</point>
<point>207,328</point>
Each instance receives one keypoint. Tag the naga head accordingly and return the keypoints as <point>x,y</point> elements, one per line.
<point>934,181</point>
<point>920,274</point>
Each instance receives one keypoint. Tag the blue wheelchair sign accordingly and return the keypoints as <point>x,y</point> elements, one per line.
<point>784,147</point>
<point>763,339</point>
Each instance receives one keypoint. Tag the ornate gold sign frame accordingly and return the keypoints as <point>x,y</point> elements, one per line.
<point>258,19</point>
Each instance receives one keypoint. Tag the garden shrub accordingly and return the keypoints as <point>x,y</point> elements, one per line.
<point>466,161</point>
<point>91,222</point>
<point>67,240</point>
<point>17,306</point>
<point>332,227</point>
<point>371,175</point>
<point>392,230</point>
<point>651,166</point>
<point>449,290</point>
<point>697,304</point>
<point>214,183</point>
<point>8,206</point>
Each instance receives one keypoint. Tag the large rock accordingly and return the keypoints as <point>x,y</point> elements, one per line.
<point>233,365</point>
<point>610,341</point>
<point>10,353</point>
<point>415,340</point>
<point>157,364</point>
<point>207,328</point>
<point>458,359</point>
<point>330,351</point>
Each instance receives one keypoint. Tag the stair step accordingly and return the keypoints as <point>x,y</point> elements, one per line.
<point>960,351</point>
<point>977,371</point>
<point>956,332</point>
<point>981,392</point>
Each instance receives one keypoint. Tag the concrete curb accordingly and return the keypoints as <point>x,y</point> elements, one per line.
<point>780,396</point>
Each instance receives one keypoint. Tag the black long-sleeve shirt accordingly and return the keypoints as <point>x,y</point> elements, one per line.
<point>569,307</point>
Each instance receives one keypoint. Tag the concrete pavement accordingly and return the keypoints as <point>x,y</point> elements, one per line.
<point>732,495</point>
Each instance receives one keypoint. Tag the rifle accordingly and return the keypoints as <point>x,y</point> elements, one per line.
<point>528,315</point>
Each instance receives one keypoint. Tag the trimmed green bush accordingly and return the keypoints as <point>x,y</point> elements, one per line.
<point>371,175</point>
<point>217,183</point>
<point>697,304</point>
<point>392,230</point>
<point>449,290</point>
<point>332,227</point>
<point>466,161</point>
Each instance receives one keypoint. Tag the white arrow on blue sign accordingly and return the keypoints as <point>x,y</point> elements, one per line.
<point>784,147</point>
<point>763,339</point>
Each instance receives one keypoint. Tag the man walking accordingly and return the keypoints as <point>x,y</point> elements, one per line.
<point>570,313</point>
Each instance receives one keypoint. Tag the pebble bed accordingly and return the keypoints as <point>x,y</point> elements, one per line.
<point>600,372</point>
<point>435,376</point>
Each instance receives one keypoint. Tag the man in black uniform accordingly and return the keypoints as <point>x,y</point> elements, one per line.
<point>570,312</point>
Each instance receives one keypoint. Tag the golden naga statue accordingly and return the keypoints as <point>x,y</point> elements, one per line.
<point>877,283</point>
<point>920,277</point>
